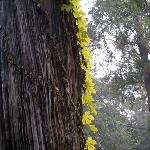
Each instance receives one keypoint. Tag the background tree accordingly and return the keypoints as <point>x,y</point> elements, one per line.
<point>120,31</point>
<point>125,25</point>
<point>40,90</point>
<point>119,128</point>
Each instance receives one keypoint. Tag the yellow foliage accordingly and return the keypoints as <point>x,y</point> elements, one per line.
<point>87,118</point>
<point>93,128</point>
<point>86,64</point>
<point>90,144</point>
<point>86,97</point>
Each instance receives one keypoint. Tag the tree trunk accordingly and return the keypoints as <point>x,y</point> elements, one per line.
<point>40,80</point>
<point>145,64</point>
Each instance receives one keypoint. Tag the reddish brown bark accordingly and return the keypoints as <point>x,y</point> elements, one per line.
<point>40,80</point>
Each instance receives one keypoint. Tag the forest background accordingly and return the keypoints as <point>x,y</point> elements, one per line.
<point>119,32</point>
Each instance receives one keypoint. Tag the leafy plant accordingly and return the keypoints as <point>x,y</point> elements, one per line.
<point>85,60</point>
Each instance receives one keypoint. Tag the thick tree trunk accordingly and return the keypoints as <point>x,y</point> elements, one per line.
<point>40,80</point>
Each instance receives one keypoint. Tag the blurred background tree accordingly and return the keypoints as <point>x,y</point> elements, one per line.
<point>120,33</point>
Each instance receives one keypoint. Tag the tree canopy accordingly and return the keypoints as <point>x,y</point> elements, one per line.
<point>120,33</point>
<point>122,27</point>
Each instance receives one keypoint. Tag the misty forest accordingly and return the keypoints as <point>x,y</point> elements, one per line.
<point>74,74</point>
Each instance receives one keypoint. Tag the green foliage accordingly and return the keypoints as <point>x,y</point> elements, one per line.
<point>125,25</point>
<point>121,27</point>
<point>114,133</point>
<point>117,130</point>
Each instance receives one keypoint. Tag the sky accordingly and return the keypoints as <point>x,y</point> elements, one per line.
<point>86,4</point>
<point>99,55</point>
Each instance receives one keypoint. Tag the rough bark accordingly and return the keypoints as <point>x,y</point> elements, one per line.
<point>40,86</point>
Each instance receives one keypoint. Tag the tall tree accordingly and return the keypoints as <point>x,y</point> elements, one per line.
<point>40,90</point>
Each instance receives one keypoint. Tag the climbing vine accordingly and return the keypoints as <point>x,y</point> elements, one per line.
<point>86,64</point>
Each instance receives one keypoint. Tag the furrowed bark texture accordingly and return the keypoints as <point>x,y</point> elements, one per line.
<point>40,77</point>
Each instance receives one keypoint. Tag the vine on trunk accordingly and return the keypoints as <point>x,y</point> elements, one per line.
<point>85,61</point>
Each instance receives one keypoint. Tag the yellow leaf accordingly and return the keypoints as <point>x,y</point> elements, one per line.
<point>87,118</point>
<point>91,106</point>
<point>90,144</point>
<point>86,97</point>
<point>93,128</point>
<point>75,3</point>
<point>86,53</point>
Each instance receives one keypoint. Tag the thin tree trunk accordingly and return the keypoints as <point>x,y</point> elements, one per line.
<point>40,80</point>
<point>145,69</point>
<point>143,50</point>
